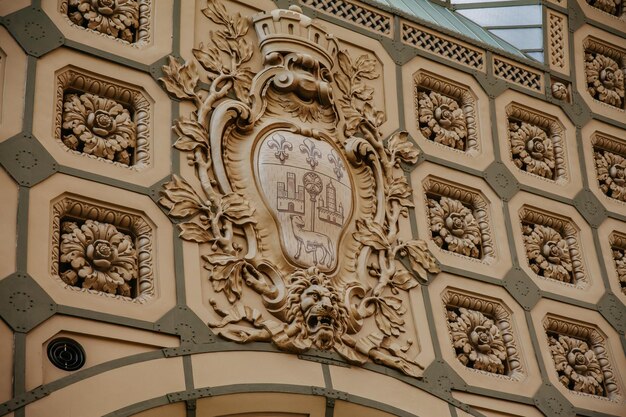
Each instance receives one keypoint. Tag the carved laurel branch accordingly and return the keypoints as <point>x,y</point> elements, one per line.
<point>378,236</point>
<point>212,214</point>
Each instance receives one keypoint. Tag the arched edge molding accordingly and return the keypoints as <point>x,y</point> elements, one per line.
<point>121,366</point>
<point>200,393</point>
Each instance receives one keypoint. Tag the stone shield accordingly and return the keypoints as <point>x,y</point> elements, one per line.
<point>307,188</point>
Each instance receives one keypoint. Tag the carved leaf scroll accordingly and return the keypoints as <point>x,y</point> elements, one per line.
<point>226,274</point>
<point>119,19</point>
<point>180,80</point>
<point>400,149</point>
<point>98,256</point>
<point>190,135</point>
<point>181,200</point>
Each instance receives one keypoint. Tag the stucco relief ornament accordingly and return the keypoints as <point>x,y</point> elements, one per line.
<point>619,256</point>
<point>477,340</point>
<point>559,91</point>
<point>609,6</point>
<point>454,227</point>
<point>98,126</point>
<point>117,18</point>
<point>577,365</point>
<point>548,252</point>
<point>98,256</point>
<point>442,120</point>
<point>531,149</point>
<point>611,170</point>
<point>299,230</point>
<point>605,79</point>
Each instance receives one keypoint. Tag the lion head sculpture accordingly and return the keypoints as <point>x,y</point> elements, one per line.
<point>314,306</point>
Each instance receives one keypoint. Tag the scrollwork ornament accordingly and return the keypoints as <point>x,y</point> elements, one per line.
<point>311,300</point>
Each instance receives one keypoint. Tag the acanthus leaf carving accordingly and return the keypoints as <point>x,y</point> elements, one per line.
<point>482,334</point>
<point>401,150</point>
<point>581,358</point>
<point>548,252</point>
<point>576,364</point>
<point>612,7</point>
<point>312,157</point>
<point>454,227</point>
<point>441,119</point>
<point>618,249</point>
<point>98,126</point>
<point>477,340</point>
<point>611,171</point>
<point>531,149</point>
<point>553,247</point>
<point>102,251</point>
<point>99,256</point>
<point>536,143</point>
<point>605,78</point>
<point>116,18</point>
<point>619,256</point>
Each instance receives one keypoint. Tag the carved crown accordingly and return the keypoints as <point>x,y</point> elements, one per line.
<point>287,31</point>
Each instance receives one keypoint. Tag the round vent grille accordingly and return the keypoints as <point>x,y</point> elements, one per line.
<point>66,354</point>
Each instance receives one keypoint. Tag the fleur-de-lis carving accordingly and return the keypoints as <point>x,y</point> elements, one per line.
<point>313,154</point>
<point>334,159</point>
<point>281,145</point>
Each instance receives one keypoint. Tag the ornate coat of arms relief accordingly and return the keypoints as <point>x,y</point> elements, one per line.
<point>297,199</point>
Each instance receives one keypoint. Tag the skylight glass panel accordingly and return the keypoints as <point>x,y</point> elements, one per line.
<point>483,1</point>
<point>504,16</point>
<point>522,38</point>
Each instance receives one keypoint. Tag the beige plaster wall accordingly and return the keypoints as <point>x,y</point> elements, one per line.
<point>162,355</point>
